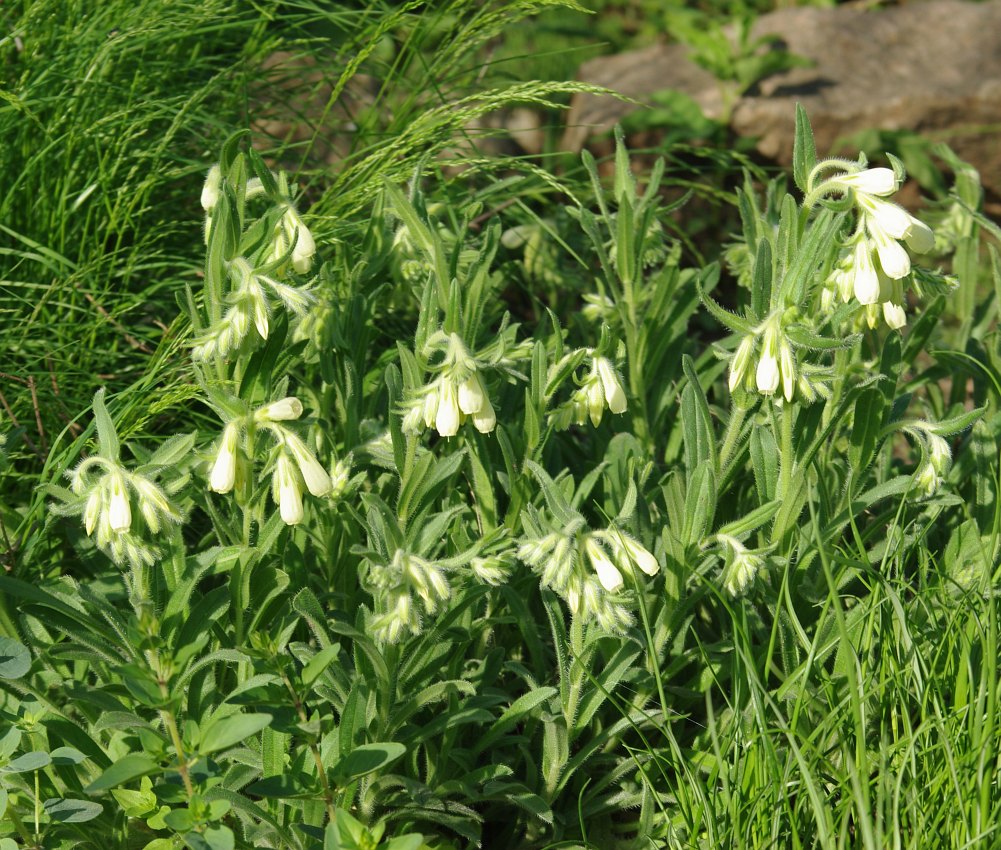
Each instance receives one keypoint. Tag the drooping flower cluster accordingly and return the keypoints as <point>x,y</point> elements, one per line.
<point>936,458</point>
<point>587,568</point>
<point>873,262</point>
<point>295,465</point>
<point>600,389</point>
<point>405,576</point>
<point>766,360</point>
<point>249,305</point>
<point>108,492</point>
<point>456,394</point>
<point>121,508</point>
<point>740,564</point>
<point>253,280</point>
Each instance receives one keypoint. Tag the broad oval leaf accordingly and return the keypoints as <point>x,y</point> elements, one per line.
<point>15,660</point>
<point>368,758</point>
<point>72,811</point>
<point>28,762</point>
<point>126,768</point>
<point>229,731</point>
<point>67,755</point>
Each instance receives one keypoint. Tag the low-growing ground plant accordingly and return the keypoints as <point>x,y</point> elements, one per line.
<point>680,555</point>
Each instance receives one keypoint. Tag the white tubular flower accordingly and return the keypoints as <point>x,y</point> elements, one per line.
<point>222,478</point>
<point>894,315</point>
<point>638,554</point>
<point>280,411</point>
<point>608,574</point>
<point>471,394</point>
<point>897,223</point>
<point>893,259</point>
<point>615,397</point>
<point>210,191</point>
<point>740,362</point>
<point>865,281</point>
<point>485,419</point>
<point>317,481</point>
<point>286,491</point>
<point>446,420</point>
<point>119,509</point>
<point>767,373</point>
<point>305,247</point>
<point>871,181</point>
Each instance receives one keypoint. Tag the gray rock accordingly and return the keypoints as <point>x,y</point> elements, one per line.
<point>931,67</point>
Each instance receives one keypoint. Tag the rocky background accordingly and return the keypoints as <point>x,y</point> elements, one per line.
<point>929,67</point>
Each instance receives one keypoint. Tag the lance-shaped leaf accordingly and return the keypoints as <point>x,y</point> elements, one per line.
<point>107,436</point>
<point>802,337</point>
<point>735,323</point>
<point>804,149</point>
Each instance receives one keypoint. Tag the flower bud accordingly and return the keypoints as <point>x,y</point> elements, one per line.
<point>92,511</point>
<point>340,476</point>
<point>210,191</point>
<point>223,475</point>
<point>939,453</point>
<point>305,247</point>
<point>280,411</point>
<point>787,368</point>
<point>741,360</point>
<point>573,599</point>
<point>429,410</point>
<point>927,480</point>
<point>490,571</point>
<point>260,307</point>
<point>741,565</point>
<point>287,492</point>
<point>595,400</point>
<point>921,238</point>
<point>894,315</point>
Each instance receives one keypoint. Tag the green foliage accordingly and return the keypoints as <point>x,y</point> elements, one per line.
<point>470,510</point>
